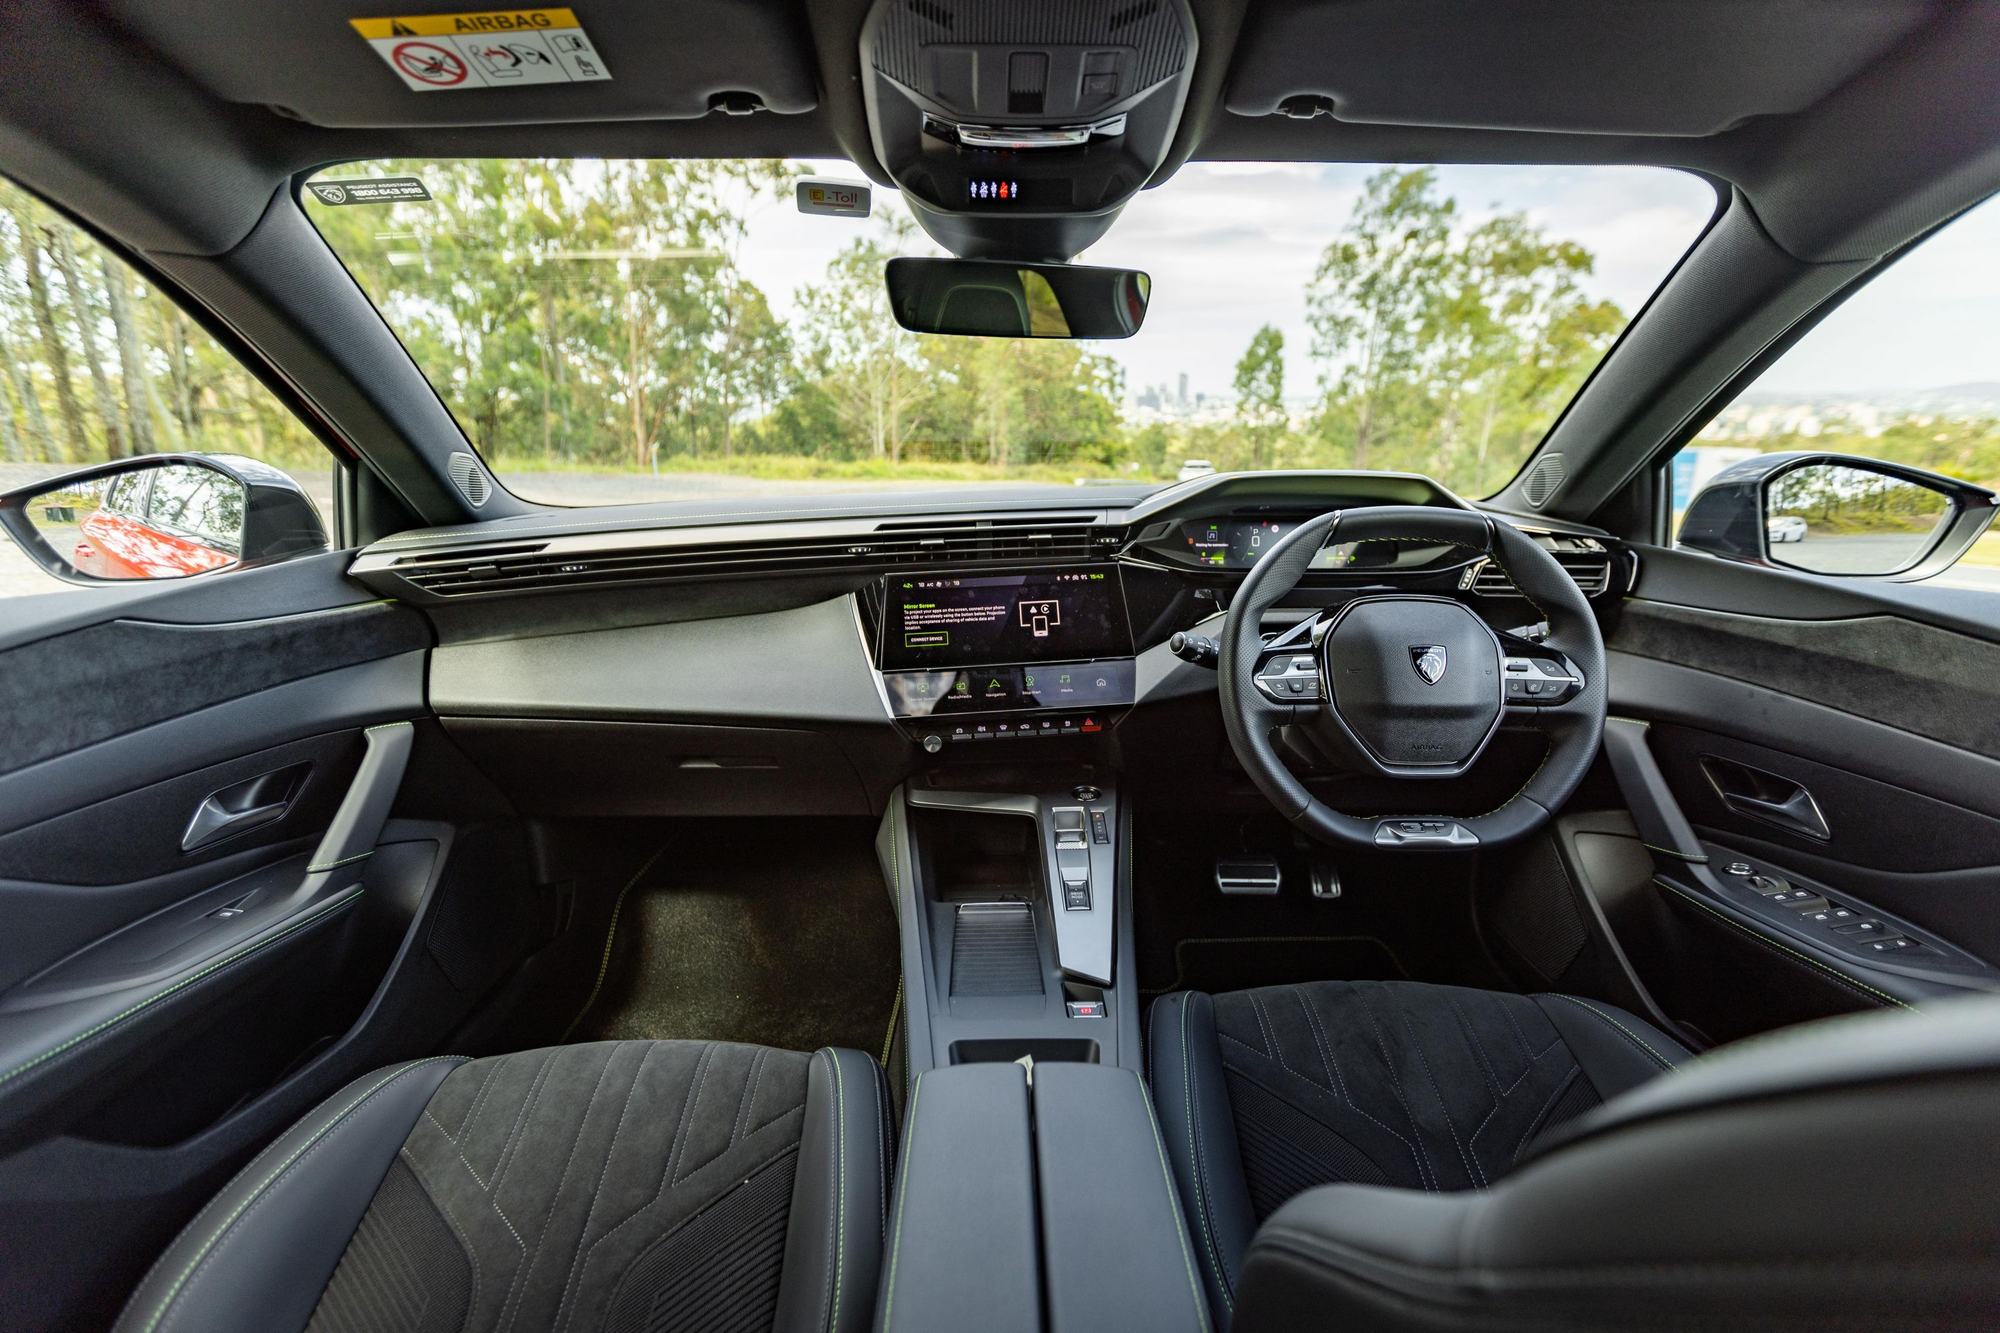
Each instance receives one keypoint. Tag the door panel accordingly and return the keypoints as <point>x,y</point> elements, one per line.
<point>1834,739</point>
<point>161,1008</point>
<point>1890,669</point>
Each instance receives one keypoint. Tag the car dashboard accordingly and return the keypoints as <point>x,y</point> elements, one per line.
<point>886,634</point>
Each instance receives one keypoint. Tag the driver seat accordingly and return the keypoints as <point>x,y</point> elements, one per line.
<point>1404,1156</point>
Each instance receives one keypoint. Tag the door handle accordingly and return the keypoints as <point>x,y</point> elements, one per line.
<point>242,806</point>
<point>1765,796</point>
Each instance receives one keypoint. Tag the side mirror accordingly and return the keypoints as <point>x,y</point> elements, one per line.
<point>162,516</point>
<point>1834,514</point>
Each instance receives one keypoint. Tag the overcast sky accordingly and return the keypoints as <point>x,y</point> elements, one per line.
<point>1232,246</point>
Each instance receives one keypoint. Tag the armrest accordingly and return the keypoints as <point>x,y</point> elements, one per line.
<point>1115,1253</point>
<point>962,1235</point>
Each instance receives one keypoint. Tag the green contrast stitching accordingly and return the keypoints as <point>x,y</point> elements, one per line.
<point>1804,958</point>
<point>1697,859</point>
<point>1635,721</point>
<point>345,861</point>
<point>1173,1202</point>
<point>383,726</point>
<point>895,1012</point>
<point>264,1184</point>
<point>902,1196</point>
<point>151,1000</point>
<point>1664,1062</point>
<point>1194,1161</point>
<point>604,963</point>
<point>840,1186</point>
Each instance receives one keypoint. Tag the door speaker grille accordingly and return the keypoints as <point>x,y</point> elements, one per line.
<point>993,951</point>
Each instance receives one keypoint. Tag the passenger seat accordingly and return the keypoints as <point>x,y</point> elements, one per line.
<point>615,1185</point>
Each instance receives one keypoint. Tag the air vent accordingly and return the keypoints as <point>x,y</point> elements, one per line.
<point>470,478</point>
<point>561,564</point>
<point>1591,570</point>
<point>1544,479</point>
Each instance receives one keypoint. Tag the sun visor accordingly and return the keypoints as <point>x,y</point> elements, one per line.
<point>1638,67</point>
<point>371,64</point>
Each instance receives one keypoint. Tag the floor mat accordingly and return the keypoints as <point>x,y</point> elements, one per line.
<point>775,932</point>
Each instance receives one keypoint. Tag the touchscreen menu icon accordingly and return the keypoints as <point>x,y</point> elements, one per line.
<point>1037,617</point>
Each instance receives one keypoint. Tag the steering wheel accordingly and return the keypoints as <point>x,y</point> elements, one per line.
<point>1413,686</point>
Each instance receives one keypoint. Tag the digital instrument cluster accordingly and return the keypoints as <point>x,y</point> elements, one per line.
<point>1239,543</point>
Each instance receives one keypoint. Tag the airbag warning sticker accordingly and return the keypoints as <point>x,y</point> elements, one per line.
<point>509,48</point>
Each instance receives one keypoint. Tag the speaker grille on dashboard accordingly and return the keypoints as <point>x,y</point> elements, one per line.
<point>1544,479</point>
<point>470,478</point>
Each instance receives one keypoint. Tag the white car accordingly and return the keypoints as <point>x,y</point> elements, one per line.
<point>1785,528</point>
<point>1195,467</point>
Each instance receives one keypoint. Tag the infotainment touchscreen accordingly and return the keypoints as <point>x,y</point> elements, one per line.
<point>938,620</point>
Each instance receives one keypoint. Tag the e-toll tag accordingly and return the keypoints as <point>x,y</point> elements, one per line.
<point>832,198</point>
<point>509,48</point>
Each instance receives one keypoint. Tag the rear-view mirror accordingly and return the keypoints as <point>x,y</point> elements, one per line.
<point>168,516</point>
<point>982,298</point>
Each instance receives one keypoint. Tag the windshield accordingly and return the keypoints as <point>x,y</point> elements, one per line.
<point>610,332</point>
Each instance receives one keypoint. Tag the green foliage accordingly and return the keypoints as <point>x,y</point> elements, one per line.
<point>1448,350</point>
<point>594,314</point>
<point>1968,450</point>
<point>95,364</point>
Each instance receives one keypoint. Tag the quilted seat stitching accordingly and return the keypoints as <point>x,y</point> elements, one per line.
<point>564,1308</point>
<point>1473,1043</point>
<point>1251,1074</point>
<point>1396,1082</point>
<point>749,1095</point>
<point>486,1082</point>
<point>1536,1123</point>
<point>673,1143</point>
<point>1472,1171</point>
<point>522,1117</point>
<point>516,1293</point>
<point>1325,1044</point>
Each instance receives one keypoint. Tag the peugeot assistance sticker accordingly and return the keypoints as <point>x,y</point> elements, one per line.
<point>369,190</point>
<point>508,48</point>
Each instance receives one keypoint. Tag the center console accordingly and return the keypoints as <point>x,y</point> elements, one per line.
<point>1030,1140</point>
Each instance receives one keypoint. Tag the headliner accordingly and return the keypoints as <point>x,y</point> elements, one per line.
<point>1850,126</point>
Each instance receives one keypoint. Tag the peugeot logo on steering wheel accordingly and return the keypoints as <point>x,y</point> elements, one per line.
<point>1429,660</point>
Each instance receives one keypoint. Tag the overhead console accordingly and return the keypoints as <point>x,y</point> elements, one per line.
<point>1018,131</point>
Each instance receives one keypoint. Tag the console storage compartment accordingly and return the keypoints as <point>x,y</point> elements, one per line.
<point>1064,1219</point>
